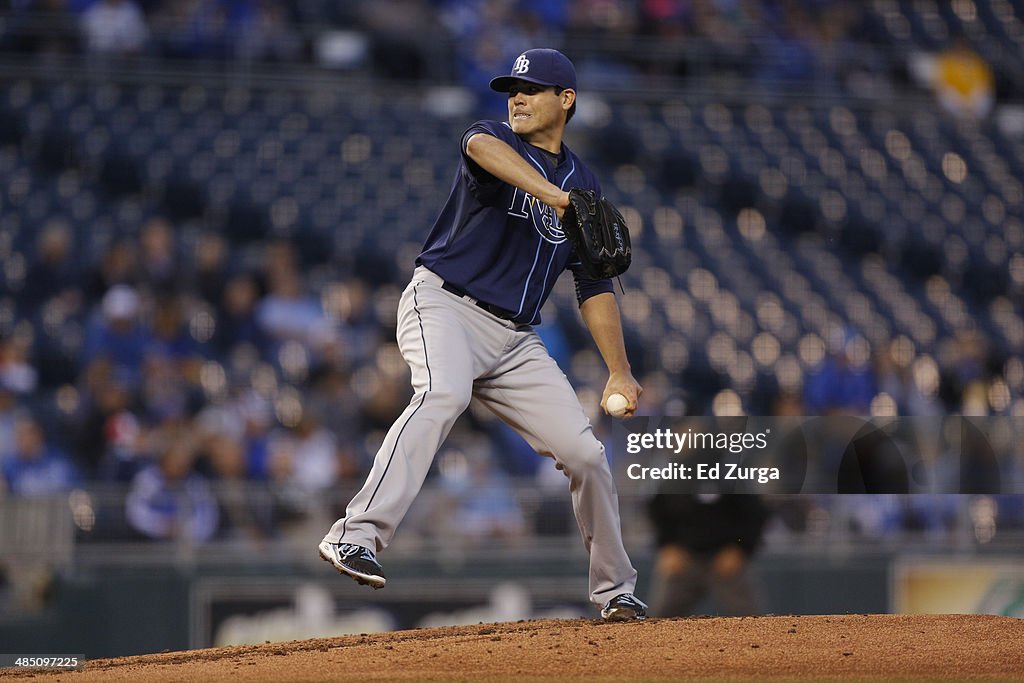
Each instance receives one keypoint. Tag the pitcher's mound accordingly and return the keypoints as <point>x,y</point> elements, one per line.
<point>845,647</point>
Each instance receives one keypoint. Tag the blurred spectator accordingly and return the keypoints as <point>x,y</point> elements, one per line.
<point>210,267</point>
<point>111,438</point>
<point>477,504</point>
<point>963,81</point>
<point>664,17</point>
<point>615,17</point>
<point>963,359</point>
<point>873,516</point>
<point>843,383</point>
<point>117,335</point>
<point>169,500</point>
<point>237,323</point>
<point>704,545</point>
<point>514,455</point>
<point>52,299</point>
<point>479,58</point>
<point>330,398</point>
<point>22,34</point>
<point>912,382</point>
<point>932,516</point>
<point>351,305</point>
<point>194,29</point>
<point>305,458</point>
<point>157,258</point>
<point>787,49</point>
<point>247,512</point>
<point>288,313</point>
<point>487,510</point>
<point>172,337</point>
<point>8,416</point>
<point>17,374</point>
<point>114,27</point>
<point>172,364</point>
<point>553,515</point>
<point>118,265</point>
<point>403,37</point>
<point>246,418</point>
<point>35,467</point>
<point>257,425</point>
<point>265,33</point>
<point>54,271</point>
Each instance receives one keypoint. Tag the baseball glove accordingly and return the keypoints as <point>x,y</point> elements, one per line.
<point>598,233</point>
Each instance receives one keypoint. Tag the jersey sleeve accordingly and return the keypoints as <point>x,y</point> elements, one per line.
<point>480,182</point>
<point>587,287</point>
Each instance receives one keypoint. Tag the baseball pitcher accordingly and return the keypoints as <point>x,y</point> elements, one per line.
<point>465,327</point>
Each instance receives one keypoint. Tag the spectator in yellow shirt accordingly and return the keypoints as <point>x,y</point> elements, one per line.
<point>963,81</point>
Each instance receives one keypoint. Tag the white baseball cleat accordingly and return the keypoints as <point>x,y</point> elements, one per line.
<point>625,607</point>
<point>354,561</point>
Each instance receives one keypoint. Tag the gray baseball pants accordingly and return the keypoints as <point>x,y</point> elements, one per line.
<point>456,351</point>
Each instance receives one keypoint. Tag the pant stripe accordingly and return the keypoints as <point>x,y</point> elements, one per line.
<point>423,399</point>
<point>423,337</point>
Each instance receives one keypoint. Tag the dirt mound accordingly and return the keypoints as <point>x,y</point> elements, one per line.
<point>845,647</point>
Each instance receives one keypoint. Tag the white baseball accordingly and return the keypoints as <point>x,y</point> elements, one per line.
<point>616,405</point>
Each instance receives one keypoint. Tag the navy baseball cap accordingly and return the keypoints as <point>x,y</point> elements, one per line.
<point>542,66</point>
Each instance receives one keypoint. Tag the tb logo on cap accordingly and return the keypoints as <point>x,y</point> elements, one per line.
<point>522,65</point>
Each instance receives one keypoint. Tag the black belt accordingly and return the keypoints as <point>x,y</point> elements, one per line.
<point>493,310</point>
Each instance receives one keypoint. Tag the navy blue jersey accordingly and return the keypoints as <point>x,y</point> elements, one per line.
<point>499,244</point>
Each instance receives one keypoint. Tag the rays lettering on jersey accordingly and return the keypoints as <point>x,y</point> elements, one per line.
<point>543,217</point>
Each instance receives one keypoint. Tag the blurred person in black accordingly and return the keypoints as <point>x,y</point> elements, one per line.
<point>704,546</point>
<point>160,268</point>
<point>237,324</point>
<point>118,264</point>
<point>53,272</point>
